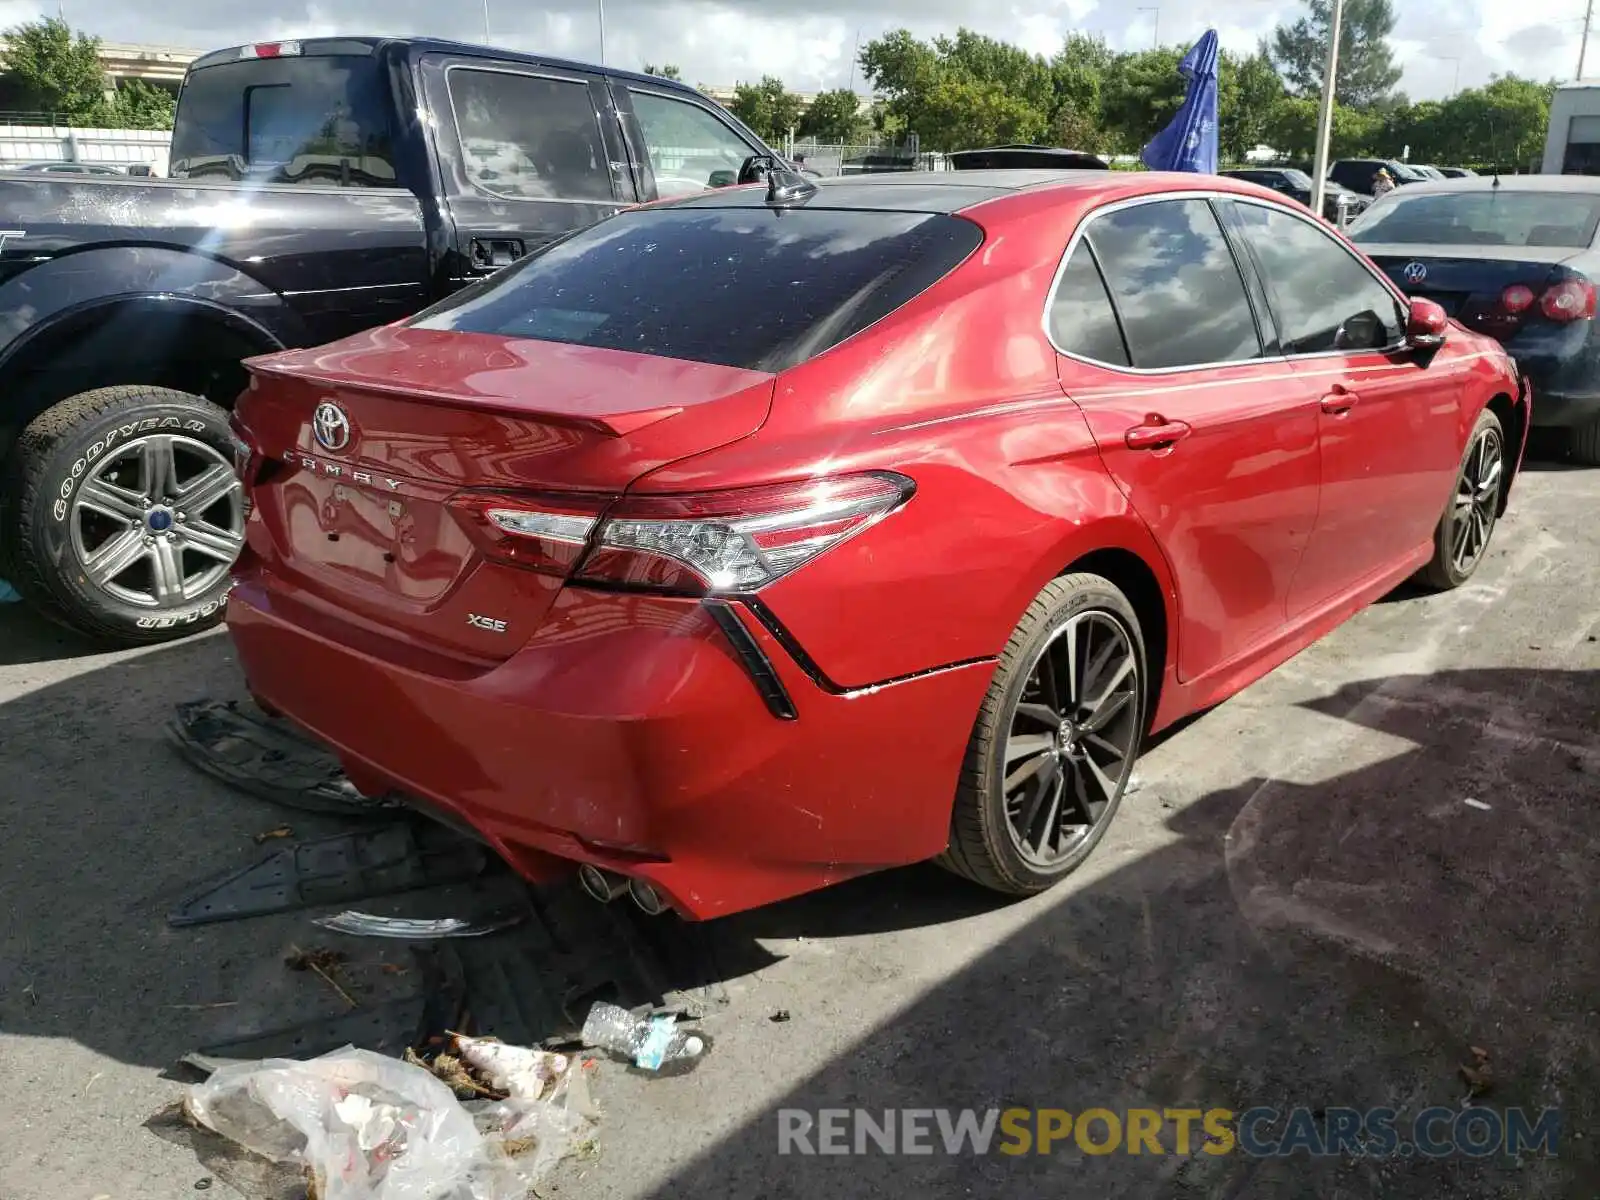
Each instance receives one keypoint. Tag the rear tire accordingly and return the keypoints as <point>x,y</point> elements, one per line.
<point>1584,444</point>
<point>124,514</point>
<point>1461,539</point>
<point>1046,769</point>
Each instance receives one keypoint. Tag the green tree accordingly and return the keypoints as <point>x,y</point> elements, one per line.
<point>1247,89</point>
<point>833,117</point>
<point>1366,73</point>
<point>58,69</point>
<point>1078,71</point>
<point>137,105</point>
<point>1291,129</point>
<point>1141,93</point>
<point>1502,124</point>
<point>767,107</point>
<point>667,72</point>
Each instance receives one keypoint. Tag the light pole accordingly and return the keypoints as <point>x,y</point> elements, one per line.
<point>1155,33</point>
<point>1319,172</point>
<point>1583,46</point>
<point>1455,86</point>
<point>600,10</point>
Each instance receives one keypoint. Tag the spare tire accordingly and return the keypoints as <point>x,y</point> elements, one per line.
<point>125,514</point>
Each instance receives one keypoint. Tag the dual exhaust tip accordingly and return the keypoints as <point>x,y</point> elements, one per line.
<point>606,886</point>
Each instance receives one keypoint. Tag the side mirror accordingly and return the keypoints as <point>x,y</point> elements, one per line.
<point>1426,324</point>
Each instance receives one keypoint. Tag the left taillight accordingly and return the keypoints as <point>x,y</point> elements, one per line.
<point>730,541</point>
<point>736,541</point>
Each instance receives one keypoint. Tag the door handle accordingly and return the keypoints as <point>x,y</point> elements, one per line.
<point>1339,401</point>
<point>1156,433</point>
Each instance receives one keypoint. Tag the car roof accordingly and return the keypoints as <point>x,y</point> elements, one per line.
<point>949,192</point>
<point>1589,184</point>
<point>311,47</point>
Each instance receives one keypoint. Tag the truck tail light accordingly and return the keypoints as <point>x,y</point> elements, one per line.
<point>736,541</point>
<point>270,50</point>
<point>1569,300</point>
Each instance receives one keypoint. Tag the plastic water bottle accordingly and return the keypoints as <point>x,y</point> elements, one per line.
<point>8,594</point>
<point>648,1041</point>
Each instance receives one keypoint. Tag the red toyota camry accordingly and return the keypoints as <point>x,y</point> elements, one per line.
<point>752,541</point>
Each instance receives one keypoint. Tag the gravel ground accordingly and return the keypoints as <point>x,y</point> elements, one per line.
<point>1327,892</point>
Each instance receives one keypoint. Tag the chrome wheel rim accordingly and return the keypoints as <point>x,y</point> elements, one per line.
<point>1477,500</point>
<point>158,522</point>
<point>1071,741</point>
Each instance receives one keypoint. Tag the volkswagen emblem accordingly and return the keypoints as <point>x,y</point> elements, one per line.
<point>330,426</point>
<point>1415,273</point>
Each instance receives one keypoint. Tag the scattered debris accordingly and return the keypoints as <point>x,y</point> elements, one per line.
<point>282,831</point>
<point>451,1070</point>
<point>204,1007</point>
<point>1478,804</point>
<point>391,968</point>
<point>648,1041</point>
<point>8,594</point>
<point>360,924</point>
<point>203,1184</point>
<point>324,962</point>
<point>366,1127</point>
<point>779,1017</point>
<point>270,759</point>
<point>336,870</point>
<point>516,1070</point>
<point>1479,1076</point>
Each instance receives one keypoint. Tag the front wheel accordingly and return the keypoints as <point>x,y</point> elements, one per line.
<point>126,513</point>
<point>1055,741</point>
<point>1462,537</point>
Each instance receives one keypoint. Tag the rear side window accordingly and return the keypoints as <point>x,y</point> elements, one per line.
<point>1082,321</point>
<point>322,120</point>
<point>1176,285</point>
<point>530,137</point>
<point>1488,218</point>
<point>757,288</point>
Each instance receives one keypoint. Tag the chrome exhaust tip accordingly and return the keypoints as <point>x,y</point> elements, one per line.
<point>604,886</point>
<point>646,897</point>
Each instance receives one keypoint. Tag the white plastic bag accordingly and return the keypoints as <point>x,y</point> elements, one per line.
<point>368,1127</point>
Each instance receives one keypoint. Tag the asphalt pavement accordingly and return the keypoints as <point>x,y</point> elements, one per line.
<point>1335,890</point>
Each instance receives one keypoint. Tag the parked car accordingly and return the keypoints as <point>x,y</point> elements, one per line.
<point>1357,174</point>
<point>1515,258</point>
<point>383,174</point>
<point>67,168</point>
<point>1023,157</point>
<point>589,547</point>
<point>1338,203</point>
<point>1455,172</point>
<point>1426,171</point>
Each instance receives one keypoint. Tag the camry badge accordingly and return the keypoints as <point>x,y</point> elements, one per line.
<point>1415,272</point>
<point>330,426</point>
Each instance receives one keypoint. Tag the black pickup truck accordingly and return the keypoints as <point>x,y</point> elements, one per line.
<point>317,188</point>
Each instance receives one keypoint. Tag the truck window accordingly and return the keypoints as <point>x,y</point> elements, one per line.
<point>690,150</point>
<point>322,120</point>
<point>530,137</point>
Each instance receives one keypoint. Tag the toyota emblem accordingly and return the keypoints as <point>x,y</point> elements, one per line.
<point>1415,273</point>
<point>330,426</point>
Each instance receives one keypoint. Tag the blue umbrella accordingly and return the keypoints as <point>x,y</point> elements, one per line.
<point>1189,143</point>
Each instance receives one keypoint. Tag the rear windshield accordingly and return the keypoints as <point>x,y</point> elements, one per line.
<point>1482,218</point>
<point>757,288</point>
<point>320,120</point>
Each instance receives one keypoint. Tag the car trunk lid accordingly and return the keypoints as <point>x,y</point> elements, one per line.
<point>1469,281</point>
<point>364,452</point>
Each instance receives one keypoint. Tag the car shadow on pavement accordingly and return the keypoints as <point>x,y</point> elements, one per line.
<point>28,637</point>
<point>1346,938</point>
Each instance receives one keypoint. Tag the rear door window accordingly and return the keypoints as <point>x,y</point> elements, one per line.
<point>689,148</point>
<point>320,120</point>
<point>1082,321</point>
<point>530,137</point>
<point>1176,286</point>
<point>756,288</point>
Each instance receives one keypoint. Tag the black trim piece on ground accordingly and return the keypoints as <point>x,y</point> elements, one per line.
<point>759,666</point>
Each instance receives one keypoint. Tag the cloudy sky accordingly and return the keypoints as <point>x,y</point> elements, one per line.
<point>810,43</point>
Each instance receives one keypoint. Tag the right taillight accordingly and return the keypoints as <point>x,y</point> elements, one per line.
<point>736,541</point>
<point>1569,300</point>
